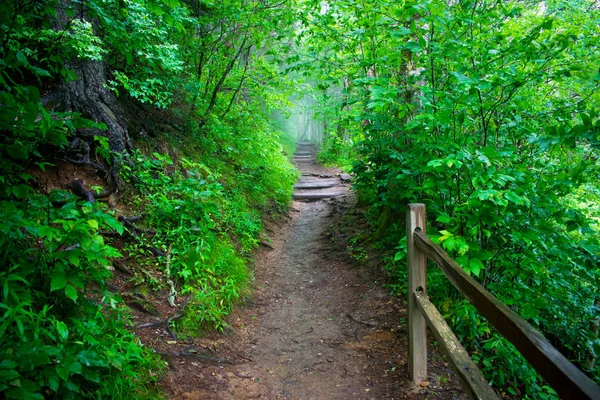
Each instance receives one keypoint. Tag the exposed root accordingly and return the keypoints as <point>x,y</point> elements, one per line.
<point>167,322</point>
<point>78,189</point>
<point>361,322</point>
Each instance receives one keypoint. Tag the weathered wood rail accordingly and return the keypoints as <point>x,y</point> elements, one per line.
<point>564,377</point>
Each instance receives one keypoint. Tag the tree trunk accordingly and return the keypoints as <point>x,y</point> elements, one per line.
<point>217,88</point>
<point>89,96</point>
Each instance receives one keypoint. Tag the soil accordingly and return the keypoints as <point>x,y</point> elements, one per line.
<point>319,325</point>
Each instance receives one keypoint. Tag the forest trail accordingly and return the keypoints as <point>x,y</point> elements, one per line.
<point>318,325</point>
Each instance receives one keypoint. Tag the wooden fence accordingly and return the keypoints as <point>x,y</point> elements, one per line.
<point>568,381</point>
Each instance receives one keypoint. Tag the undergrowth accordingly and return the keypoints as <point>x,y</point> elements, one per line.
<point>63,333</point>
<point>335,151</point>
<point>208,211</point>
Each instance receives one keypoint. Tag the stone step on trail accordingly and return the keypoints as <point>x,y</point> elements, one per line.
<point>308,150</point>
<point>316,185</point>
<point>315,195</point>
<point>313,180</point>
<point>308,175</point>
<point>315,188</point>
<point>311,186</point>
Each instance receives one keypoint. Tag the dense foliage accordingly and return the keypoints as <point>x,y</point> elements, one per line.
<point>204,177</point>
<point>484,110</point>
<point>487,112</point>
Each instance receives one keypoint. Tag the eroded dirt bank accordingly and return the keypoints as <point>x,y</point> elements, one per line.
<point>318,326</point>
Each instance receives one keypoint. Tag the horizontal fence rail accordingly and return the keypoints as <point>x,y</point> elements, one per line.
<point>564,377</point>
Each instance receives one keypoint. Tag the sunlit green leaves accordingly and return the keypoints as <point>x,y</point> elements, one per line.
<point>494,126</point>
<point>453,243</point>
<point>83,40</point>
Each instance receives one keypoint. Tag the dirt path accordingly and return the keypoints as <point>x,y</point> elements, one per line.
<point>317,327</point>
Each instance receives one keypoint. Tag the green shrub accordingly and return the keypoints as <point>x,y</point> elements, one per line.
<point>62,332</point>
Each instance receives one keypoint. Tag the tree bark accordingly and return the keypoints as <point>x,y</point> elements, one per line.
<point>88,94</point>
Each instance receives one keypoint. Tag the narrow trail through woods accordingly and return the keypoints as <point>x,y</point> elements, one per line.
<point>318,326</point>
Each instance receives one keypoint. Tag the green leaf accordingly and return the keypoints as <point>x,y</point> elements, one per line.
<point>587,121</point>
<point>90,358</point>
<point>529,311</point>
<point>547,24</point>
<point>515,198</point>
<point>462,78</point>
<point>413,47</point>
<point>435,163</point>
<point>22,393</point>
<point>475,266</point>
<point>115,224</point>
<point>171,3</point>
<point>63,331</point>
<point>7,364</point>
<point>18,151</point>
<point>93,223</point>
<point>74,258</point>
<point>71,293</point>
<point>47,232</point>
<point>62,372</point>
<point>58,280</point>
<point>20,191</point>
<point>444,235</point>
<point>443,218</point>
<point>9,375</point>
<point>41,72</point>
<point>75,367</point>
<point>53,382</point>
<point>21,58</point>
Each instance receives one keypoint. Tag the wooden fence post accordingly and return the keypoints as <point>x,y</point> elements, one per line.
<point>417,278</point>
